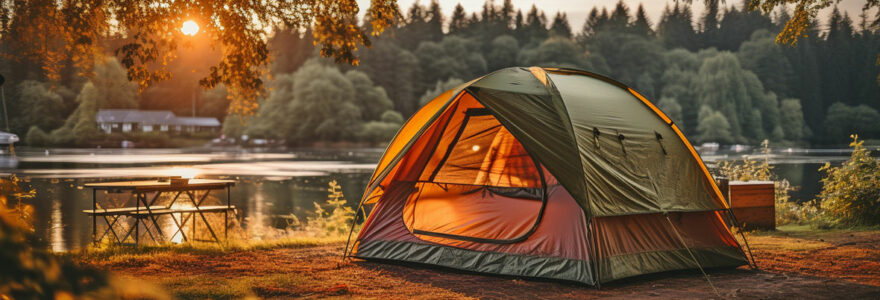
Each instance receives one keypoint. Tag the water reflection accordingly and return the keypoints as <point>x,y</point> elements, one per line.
<point>56,228</point>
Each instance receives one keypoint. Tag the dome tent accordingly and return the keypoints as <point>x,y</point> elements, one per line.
<point>545,172</point>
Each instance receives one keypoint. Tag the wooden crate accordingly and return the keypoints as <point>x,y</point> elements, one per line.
<point>754,203</point>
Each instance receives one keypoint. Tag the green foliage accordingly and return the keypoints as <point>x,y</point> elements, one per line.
<point>851,192</point>
<point>792,120</point>
<point>766,59</point>
<point>36,137</point>
<point>109,88</point>
<point>713,127</point>
<point>787,211</point>
<point>44,107</point>
<point>843,119</point>
<point>334,217</point>
<point>739,96</point>
<point>503,52</point>
<point>453,57</point>
<point>554,52</point>
<point>319,102</point>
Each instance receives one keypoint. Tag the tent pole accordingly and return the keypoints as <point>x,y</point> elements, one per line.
<point>351,230</point>
<point>745,241</point>
<point>692,254</point>
<point>594,256</point>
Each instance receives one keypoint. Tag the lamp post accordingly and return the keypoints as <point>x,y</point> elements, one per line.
<point>3,99</point>
<point>190,28</point>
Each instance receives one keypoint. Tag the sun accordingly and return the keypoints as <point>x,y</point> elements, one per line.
<point>190,28</point>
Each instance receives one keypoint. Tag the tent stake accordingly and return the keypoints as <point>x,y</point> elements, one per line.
<point>692,255</point>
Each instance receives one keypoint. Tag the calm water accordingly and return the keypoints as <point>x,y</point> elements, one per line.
<point>270,184</point>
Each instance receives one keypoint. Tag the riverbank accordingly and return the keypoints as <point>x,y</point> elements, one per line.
<point>794,262</point>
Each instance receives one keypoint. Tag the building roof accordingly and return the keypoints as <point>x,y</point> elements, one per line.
<point>8,138</point>
<point>154,117</point>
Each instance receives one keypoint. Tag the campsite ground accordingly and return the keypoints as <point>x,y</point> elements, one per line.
<point>795,263</point>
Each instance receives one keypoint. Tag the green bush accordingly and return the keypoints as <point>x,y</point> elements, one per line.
<point>36,137</point>
<point>787,211</point>
<point>851,192</point>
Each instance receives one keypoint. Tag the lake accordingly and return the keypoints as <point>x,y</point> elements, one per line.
<point>270,184</point>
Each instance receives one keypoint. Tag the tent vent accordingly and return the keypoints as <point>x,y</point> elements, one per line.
<point>660,141</point>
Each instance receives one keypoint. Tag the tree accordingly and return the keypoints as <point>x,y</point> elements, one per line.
<point>713,127</point>
<point>843,119</point>
<point>804,14</point>
<point>51,32</point>
<point>320,103</point>
<point>44,107</point>
<point>371,99</point>
<point>535,28</point>
<point>709,34</point>
<point>792,120</point>
<point>453,57</point>
<point>36,137</point>
<point>641,26</point>
<point>458,22</point>
<point>108,89</point>
<point>396,70</point>
<point>554,52</point>
<point>675,29</point>
<point>503,52</point>
<point>723,85</point>
<point>764,58</point>
<point>560,26</point>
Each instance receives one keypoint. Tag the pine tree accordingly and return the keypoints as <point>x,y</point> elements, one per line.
<point>507,14</point>
<point>619,19</point>
<point>641,26</point>
<point>434,24</point>
<point>675,29</point>
<point>458,22</point>
<point>560,26</point>
<point>710,25</point>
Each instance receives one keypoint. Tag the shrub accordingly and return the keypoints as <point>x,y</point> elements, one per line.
<point>334,217</point>
<point>36,137</point>
<point>851,192</point>
<point>787,211</point>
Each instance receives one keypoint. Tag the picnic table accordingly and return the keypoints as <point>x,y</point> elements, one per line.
<point>146,212</point>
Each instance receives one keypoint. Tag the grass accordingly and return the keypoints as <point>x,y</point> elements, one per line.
<point>117,253</point>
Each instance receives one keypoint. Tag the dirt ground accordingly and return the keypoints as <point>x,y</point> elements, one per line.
<point>793,265</point>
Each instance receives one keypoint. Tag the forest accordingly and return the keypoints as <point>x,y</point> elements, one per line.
<point>720,75</point>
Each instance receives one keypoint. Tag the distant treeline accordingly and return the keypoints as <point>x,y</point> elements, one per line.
<point>722,80</point>
<point>720,76</point>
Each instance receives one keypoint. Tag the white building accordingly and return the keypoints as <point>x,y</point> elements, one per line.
<point>133,120</point>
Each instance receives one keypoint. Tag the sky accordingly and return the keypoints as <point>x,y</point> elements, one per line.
<point>577,10</point>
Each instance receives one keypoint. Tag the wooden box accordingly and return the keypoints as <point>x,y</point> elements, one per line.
<point>754,204</point>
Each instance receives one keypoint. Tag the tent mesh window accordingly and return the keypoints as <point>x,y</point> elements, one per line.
<point>483,186</point>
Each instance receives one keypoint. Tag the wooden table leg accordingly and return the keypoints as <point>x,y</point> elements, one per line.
<point>94,217</point>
